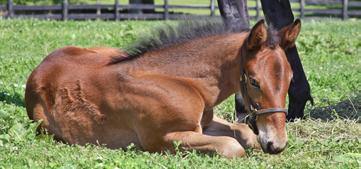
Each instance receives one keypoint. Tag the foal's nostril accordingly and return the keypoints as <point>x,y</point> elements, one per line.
<point>270,147</point>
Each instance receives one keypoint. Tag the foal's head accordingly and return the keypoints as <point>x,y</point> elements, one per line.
<point>266,76</point>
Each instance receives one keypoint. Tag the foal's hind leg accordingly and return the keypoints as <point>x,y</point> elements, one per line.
<point>223,145</point>
<point>241,132</point>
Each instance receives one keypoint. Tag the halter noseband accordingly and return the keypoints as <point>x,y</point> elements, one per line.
<point>254,108</point>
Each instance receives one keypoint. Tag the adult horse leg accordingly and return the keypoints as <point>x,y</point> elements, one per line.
<point>279,14</point>
<point>235,15</point>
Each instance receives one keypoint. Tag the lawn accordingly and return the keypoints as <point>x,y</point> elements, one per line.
<point>329,136</point>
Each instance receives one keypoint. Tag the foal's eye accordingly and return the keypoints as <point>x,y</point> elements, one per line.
<point>254,83</point>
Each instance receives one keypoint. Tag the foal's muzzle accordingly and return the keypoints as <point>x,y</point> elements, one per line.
<point>271,149</point>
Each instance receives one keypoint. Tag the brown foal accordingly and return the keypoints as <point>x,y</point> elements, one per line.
<point>164,95</point>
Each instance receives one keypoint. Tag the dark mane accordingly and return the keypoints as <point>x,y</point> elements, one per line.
<point>168,35</point>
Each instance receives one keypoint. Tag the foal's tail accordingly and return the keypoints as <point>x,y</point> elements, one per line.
<point>37,101</point>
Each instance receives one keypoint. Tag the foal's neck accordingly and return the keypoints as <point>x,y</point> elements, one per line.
<point>212,63</point>
<point>192,58</point>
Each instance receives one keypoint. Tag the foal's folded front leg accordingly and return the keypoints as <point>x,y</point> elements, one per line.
<point>241,132</point>
<point>222,145</point>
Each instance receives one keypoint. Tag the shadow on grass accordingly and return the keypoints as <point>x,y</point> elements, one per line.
<point>16,98</point>
<point>347,109</point>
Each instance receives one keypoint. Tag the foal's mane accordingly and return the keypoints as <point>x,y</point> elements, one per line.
<point>170,34</point>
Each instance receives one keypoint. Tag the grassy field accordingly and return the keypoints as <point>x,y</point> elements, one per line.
<point>329,137</point>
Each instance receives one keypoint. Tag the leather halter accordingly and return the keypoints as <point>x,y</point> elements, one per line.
<point>253,108</point>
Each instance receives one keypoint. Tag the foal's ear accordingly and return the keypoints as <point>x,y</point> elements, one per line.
<point>290,33</point>
<point>257,36</point>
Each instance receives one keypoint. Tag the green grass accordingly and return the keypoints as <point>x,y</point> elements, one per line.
<point>329,137</point>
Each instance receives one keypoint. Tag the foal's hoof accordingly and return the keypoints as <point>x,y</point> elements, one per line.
<point>252,142</point>
<point>247,137</point>
<point>231,149</point>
